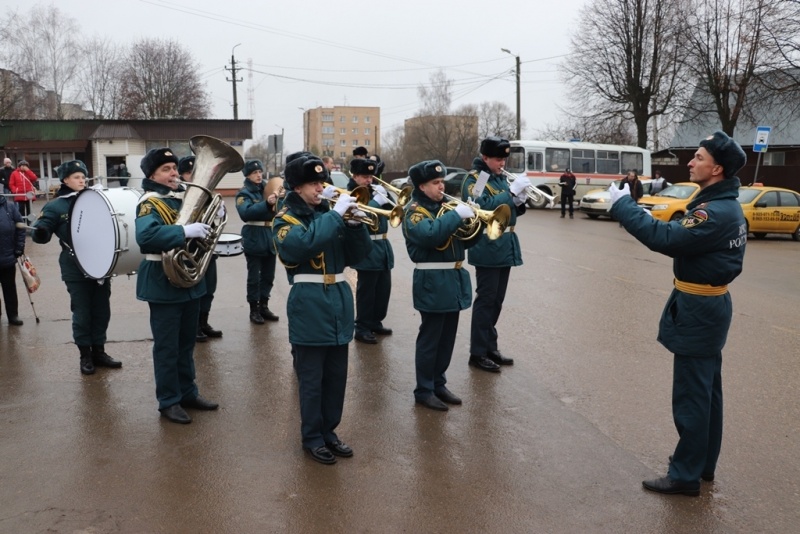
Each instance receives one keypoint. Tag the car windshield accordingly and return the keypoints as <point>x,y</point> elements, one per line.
<point>677,191</point>
<point>340,179</point>
<point>746,196</point>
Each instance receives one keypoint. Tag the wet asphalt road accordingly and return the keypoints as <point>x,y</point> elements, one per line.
<point>557,443</point>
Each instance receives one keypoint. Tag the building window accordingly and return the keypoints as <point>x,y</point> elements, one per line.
<point>774,158</point>
<point>342,131</point>
<point>367,120</point>
<point>327,129</point>
<point>341,119</point>
<point>342,155</point>
<point>343,142</point>
<point>355,131</point>
<point>355,119</point>
<point>366,131</point>
<point>355,142</point>
<point>327,142</point>
<point>327,118</point>
<point>366,142</point>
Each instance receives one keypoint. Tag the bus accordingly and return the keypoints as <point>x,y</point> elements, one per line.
<point>594,165</point>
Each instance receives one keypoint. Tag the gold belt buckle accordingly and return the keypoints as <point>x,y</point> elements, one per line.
<point>328,279</point>
<point>458,265</point>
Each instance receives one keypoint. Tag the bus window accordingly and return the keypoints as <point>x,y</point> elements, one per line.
<point>607,162</point>
<point>583,161</point>
<point>632,161</point>
<point>557,159</point>
<point>535,161</point>
<point>516,160</point>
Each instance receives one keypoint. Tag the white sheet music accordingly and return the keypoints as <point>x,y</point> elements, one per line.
<point>480,183</point>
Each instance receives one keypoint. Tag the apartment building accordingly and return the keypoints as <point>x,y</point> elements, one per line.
<point>336,131</point>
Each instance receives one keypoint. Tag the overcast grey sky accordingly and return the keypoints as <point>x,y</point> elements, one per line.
<point>372,53</point>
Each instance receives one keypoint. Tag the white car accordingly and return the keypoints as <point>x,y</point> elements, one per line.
<point>597,202</point>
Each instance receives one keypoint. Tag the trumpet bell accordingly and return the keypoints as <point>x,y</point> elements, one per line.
<point>496,221</point>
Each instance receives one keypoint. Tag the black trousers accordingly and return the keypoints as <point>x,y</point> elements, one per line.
<point>372,299</point>
<point>322,379</point>
<point>90,304</point>
<point>435,341</point>
<point>260,276</point>
<point>490,292</point>
<point>8,281</point>
<point>566,201</point>
<point>174,328</point>
<point>697,413</point>
<point>24,208</point>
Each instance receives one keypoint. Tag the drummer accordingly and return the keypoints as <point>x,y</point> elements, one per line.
<point>257,207</point>
<point>89,299</point>
<point>204,330</point>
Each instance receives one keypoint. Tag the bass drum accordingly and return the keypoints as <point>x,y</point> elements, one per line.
<point>103,230</point>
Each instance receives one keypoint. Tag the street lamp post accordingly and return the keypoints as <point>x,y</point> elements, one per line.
<point>279,163</point>
<point>234,80</point>
<point>305,128</point>
<point>519,115</point>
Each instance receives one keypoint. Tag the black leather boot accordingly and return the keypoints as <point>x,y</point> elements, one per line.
<point>101,359</point>
<point>255,314</point>
<point>200,337</point>
<point>87,365</point>
<point>263,309</point>
<point>206,328</point>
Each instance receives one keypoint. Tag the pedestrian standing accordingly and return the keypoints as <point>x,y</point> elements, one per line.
<point>22,184</point>
<point>12,246</point>
<point>567,183</point>
<point>707,246</point>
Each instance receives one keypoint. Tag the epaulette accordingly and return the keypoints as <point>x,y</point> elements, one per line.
<point>282,212</point>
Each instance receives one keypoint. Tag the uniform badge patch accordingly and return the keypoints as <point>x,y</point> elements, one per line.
<point>696,218</point>
<point>282,231</point>
<point>239,201</point>
<point>145,209</point>
<point>416,217</point>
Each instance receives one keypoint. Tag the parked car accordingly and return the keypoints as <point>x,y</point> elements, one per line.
<point>453,182</point>
<point>340,179</point>
<point>597,202</point>
<point>452,174</point>
<point>770,210</point>
<point>670,204</point>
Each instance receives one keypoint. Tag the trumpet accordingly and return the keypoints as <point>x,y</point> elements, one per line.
<point>403,195</point>
<point>371,215</point>
<point>533,193</point>
<point>496,221</point>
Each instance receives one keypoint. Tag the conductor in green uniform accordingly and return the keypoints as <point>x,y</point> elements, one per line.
<point>174,311</point>
<point>90,300</point>
<point>707,247</point>
<point>315,243</point>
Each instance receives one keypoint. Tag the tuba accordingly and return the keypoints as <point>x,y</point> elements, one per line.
<point>185,266</point>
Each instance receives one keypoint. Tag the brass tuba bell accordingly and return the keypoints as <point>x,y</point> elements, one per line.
<point>185,266</point>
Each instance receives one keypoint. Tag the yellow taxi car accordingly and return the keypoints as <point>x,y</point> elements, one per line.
<point>770,210</point>
<point>670,204</point>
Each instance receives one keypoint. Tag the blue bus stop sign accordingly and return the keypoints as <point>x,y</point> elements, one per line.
<point>762,139</point>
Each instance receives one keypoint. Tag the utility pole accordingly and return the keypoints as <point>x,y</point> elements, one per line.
<point>519,111</point>
<point>234,80</point>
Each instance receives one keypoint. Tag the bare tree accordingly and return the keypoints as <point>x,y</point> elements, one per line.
<point>615,131</point>
<point>100,80</point>
<point>626,60</point>
<point>393,150</point>
<point>44,53</point>
<point>161,82</point>
<point>497,119</point>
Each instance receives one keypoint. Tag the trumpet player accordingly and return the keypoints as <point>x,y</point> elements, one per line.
<point>441,287</point>
<point>174,311</point>
<point>492,259</point>
<point>315,243</point>
<point>204,330</point>
<point>257,213</point>
<point>374,285</point>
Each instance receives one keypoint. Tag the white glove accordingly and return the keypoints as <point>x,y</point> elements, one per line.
<point>617,193</point>
<point>344,203</point>
<point>378,188</point>
<point>221,211</point>
<point>355,222</point>
<point>329,192</point>
<point>647,211</point>
<point>464,211</point>
<point>97,187</point>
<point>380,198</point>
<point>519,185</point>
<point>519,200</point>
<point>196,230</point>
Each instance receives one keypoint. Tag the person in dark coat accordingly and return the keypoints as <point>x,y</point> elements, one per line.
<point>315,243</point>
<point>374,287</point>
<point>493,259</point>
<point>174,311</point>
<point>5,175</point>
<point>567,183</point>
<point>204,330</point>
<point>90,300</point>
<point>707,246</point>
<point>441,286</point>
<point>257,214</point>
<point>12,246</point>
<point>634,184</point>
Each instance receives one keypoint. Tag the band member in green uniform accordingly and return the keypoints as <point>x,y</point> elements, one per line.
<point>707,246</point>
<point>257,213</point>
<point>492,259</point>
<point>174,311</point>
<point>374,287</point>
<point>90,300</point>
<point>441,287</point>
<point>204,330</point>
<point>315,243</point>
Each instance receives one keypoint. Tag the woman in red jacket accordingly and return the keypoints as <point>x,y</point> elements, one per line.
<point>21,183</point>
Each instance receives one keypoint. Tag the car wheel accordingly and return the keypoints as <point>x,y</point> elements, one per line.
<point>759,235</point>
<point>677,216</point>
<point>592,215</point>
<point>796,234</point>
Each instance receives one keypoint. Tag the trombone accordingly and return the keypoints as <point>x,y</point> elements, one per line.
<point>496,221</point>
<point>533,193</point>
<point>403,195</point>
